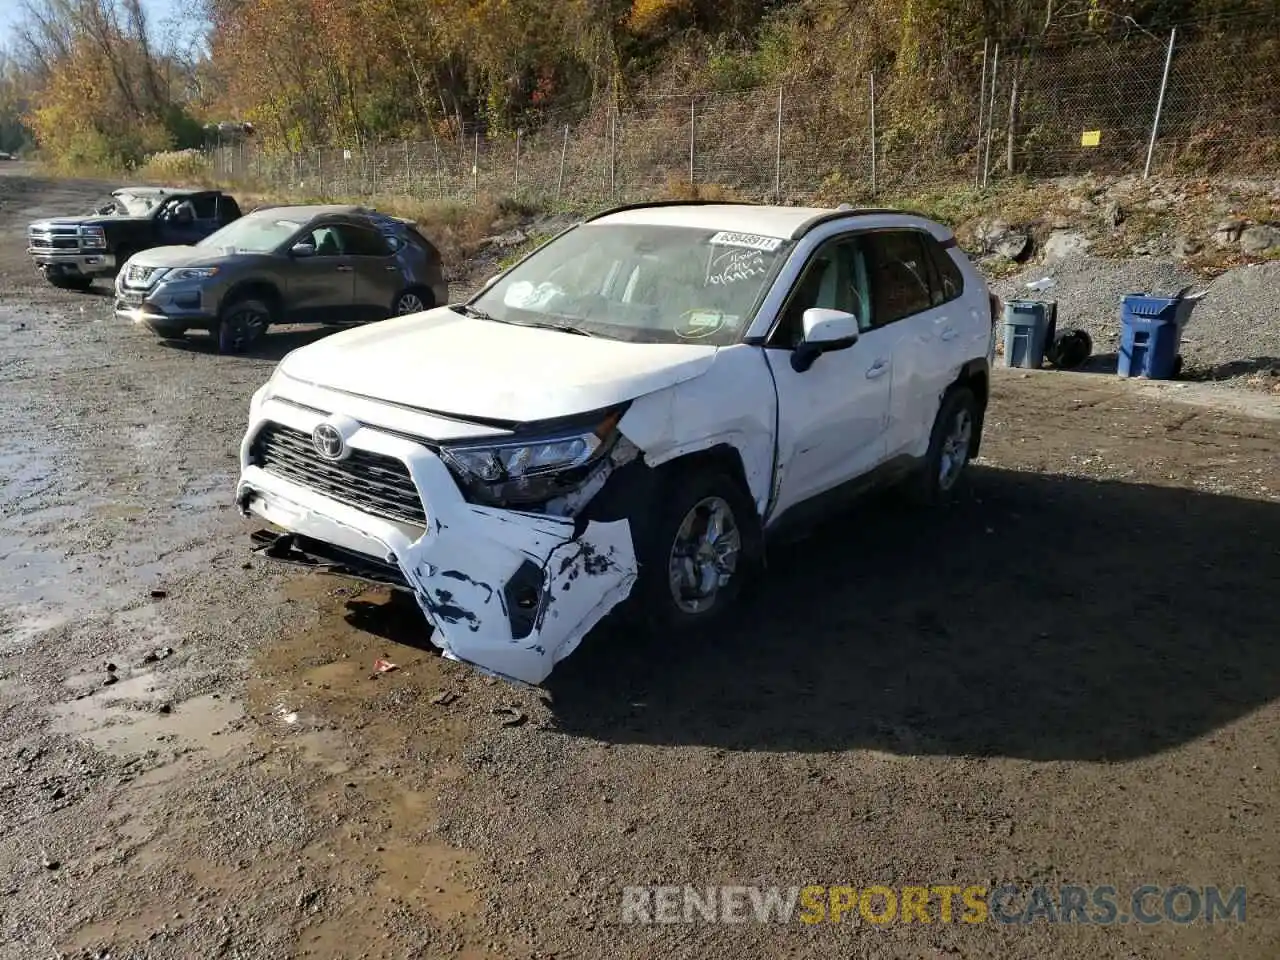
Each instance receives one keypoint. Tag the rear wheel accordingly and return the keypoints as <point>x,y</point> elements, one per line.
<point>413,300</point>
<point>241,324</point>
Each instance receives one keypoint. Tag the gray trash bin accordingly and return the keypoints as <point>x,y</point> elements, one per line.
<point>1028,329</point>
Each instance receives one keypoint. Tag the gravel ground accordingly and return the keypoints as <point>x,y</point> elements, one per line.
<point>1233,334</point>
<point>1069,676</point>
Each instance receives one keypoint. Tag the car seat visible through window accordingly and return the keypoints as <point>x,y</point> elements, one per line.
<point>327,245</point>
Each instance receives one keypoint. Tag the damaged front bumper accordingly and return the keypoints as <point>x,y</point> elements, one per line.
<point>510,592</point>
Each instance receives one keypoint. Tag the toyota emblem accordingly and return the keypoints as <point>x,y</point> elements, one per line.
<point>328,442</point>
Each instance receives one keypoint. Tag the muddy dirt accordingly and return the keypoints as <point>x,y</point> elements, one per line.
<point>1067,677</point>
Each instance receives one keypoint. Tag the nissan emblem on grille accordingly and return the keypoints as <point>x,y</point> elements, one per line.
<point>328,442</point>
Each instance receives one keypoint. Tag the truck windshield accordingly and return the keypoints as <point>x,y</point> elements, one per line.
<point>642,282</point>
<point>127,205</point>
<point>252,234</point>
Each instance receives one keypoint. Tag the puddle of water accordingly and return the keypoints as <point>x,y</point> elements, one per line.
<point>123,729</point>
<point>26,474</point>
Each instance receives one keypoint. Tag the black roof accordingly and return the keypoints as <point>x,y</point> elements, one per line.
<point>800,231</point>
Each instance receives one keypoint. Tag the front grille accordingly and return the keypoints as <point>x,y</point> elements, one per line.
<point>43,241</point>
<point>372,482</point>
<point>138,276</point>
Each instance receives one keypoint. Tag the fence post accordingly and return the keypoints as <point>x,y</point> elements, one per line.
<point>613,152</point>
<point>982,102</point>
<point>1013,120</point>
<point>991,110</point>
<point>564,152</point>
<point>408,170</point>
<point>320,170</point>
<point>475,168</point>
<point>873,136</point>
<point>435,146</point>
<point>777,155</point>
<point>693,122</point>
<point>1155,124</point>
<point>519,136</point>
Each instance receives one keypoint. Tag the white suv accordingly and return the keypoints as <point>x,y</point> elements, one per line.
<point>629,410</point>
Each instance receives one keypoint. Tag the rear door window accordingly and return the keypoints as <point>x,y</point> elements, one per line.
<point>898,274</point>
<point>363,242</point>
<point>949,278</point>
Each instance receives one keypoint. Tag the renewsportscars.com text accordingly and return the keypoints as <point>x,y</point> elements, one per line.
<point>937,903</point>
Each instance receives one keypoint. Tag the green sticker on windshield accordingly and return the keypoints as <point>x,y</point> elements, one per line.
<point>697,324</point>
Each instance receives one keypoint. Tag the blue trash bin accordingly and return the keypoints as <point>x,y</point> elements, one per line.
<point>1028,329</point>
<point>1150,335</point>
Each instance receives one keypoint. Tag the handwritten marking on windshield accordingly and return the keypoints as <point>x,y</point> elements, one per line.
<point>734,266</point>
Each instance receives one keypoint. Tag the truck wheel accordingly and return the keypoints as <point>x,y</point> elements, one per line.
<point>954,436</point>
<point>696,554</point>
<point>241,323</point>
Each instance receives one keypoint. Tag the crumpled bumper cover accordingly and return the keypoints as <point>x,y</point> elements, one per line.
<point>509,592</point>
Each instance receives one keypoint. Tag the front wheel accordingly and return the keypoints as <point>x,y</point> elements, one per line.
<point>952,441</point>
<point>696,554</point>
<point>241,324</point>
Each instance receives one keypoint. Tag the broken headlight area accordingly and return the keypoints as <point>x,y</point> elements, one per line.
<point>528,472</point>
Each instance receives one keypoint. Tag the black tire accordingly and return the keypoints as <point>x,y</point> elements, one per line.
<point>423,296</point>
<point>684,492</point>
<point>241,324</point>
<point>928,485</point>
<point>69,281</point>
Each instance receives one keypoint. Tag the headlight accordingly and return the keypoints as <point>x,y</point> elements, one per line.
<point>92,237</point>
<point>191,273</point>
<point>264,393</point>
<point>533,470</point>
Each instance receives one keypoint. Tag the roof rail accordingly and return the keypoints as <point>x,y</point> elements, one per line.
<point>847,211</point>
<point>645,204</point>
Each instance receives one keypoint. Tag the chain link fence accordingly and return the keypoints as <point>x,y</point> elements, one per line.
<point>1207,105</point>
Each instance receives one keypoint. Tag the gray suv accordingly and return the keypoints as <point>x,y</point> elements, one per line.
<point>312,264</point>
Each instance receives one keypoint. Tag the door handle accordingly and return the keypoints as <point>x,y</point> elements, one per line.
<point>878,369</point>
<point>391,268</point>
<point>948,334</point>
<point>342,269</point>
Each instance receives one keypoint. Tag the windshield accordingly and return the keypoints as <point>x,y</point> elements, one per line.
<point>655,284</point>
<point>252,234</point>
<point>127,205</point>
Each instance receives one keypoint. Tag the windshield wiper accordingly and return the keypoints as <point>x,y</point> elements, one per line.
<point>562,327</point>
<point>469,311</point>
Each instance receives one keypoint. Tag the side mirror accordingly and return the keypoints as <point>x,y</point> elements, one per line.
<point>824,331</point>
<point>302,250</point>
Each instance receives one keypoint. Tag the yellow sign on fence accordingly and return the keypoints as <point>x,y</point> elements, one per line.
<point>1090,138</point>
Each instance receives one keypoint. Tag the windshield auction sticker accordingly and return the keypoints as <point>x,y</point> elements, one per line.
<point>749,240</point>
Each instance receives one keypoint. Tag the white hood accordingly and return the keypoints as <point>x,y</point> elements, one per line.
<point>447,363</point>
